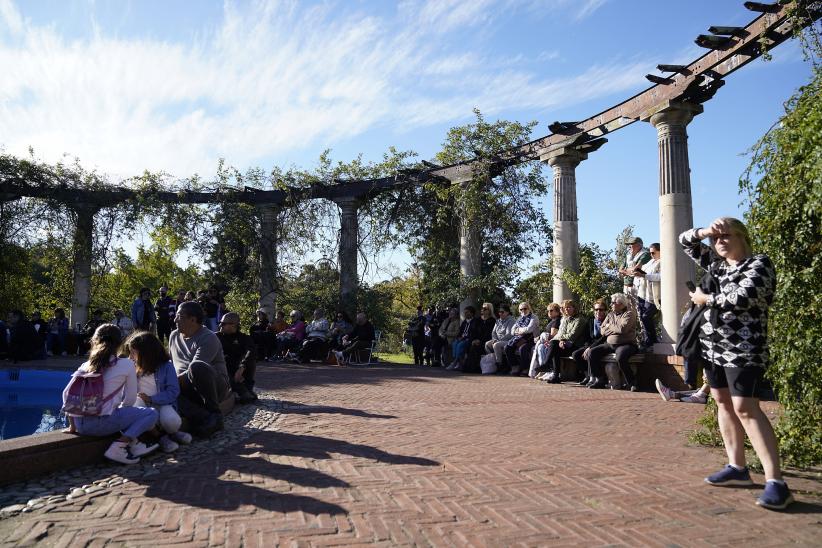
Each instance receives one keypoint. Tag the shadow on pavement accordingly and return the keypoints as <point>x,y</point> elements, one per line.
<point>296,408</point>
<point>316,447</point>
<point>229,481</point>
<point>287,376</point>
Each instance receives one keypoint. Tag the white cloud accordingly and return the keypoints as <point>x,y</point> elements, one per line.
<point>273,78</point>
<point>588,7</point>
<point>10,18</point>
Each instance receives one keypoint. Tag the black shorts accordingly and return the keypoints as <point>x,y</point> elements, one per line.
<point>747,382</point>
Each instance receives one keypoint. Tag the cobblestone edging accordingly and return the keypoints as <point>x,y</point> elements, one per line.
<point>98,479</point>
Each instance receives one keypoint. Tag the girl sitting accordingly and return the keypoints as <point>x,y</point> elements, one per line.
<point>119,393</point>
<point>158,386</point>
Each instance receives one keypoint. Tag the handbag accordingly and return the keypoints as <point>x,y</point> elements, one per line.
<point>488,364</point>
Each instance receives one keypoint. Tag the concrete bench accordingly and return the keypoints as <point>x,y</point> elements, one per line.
<point>646,367</point>
<point>37,455</point>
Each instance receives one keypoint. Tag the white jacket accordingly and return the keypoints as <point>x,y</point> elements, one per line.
<point>648,287</point>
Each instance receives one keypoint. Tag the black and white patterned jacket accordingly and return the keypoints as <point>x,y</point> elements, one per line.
<point>738,335</point>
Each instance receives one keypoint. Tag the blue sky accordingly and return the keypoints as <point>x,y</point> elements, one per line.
<point>173,86</point>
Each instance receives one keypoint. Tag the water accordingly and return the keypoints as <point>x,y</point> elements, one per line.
<point>30,401</point>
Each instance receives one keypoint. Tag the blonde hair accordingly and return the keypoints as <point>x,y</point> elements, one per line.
<point>739,228</point>
<point>490,308</point>
<point>569,302</point>
<point>555,306</point>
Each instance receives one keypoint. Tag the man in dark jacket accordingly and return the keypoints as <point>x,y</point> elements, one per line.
<point>240,357</point>
<point>24,343</point>
<point>360,339</point>
<point>600,312</point>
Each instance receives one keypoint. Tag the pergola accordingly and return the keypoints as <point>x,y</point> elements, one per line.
<point>669,105</point>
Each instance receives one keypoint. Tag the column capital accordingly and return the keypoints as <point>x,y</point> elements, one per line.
<point>671,112</point>
<point>564,157</point>
<point>348,202</point>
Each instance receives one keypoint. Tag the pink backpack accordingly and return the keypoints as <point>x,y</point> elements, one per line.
<point>84,394</point>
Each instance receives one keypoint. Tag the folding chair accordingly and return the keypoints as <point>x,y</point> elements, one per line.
<point>370,351</point>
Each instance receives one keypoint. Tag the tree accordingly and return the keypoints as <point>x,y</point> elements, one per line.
<point>783,188</point>
<point>500,200</point>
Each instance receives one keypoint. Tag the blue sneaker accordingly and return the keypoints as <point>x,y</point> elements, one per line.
<point>776,496</point>
<point>730,476</point>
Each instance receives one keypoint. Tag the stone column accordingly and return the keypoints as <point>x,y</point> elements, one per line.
<point>675,211</point>
<point>268,258</point>
<point>470,249</point>
<point>83,242</point>
<point>349,235</point>
<point>566,224</point>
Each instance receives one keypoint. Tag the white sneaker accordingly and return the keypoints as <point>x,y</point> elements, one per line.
<point>167,445</point>
<point>697,397</point>
<point>138,448</point>
<point>118,452</point>
<point>183,438</point>
<point>549,377</point>
<point>664,392</point>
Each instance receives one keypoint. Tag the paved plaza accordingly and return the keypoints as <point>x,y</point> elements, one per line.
<point>395,455</point>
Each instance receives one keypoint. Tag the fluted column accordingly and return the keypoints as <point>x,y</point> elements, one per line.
<point>564,162</point>
<point>83,242</point>
<point>675,211</point>
<point>470,245</point>
<point>349,234</point>
<point>268,258</point>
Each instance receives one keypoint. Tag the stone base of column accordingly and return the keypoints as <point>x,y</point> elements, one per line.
<point>565,257</point>
<point>675,217</point>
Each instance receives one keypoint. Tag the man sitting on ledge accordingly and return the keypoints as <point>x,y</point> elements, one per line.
<point>240,357</point>
<point>359,339</point>
<point>198,358</point>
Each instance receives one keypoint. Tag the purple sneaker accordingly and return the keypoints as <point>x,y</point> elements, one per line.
<point>730,476</point>
<point>776,496</point>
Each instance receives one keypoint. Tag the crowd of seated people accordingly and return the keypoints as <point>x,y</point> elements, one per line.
<point>521,345</point>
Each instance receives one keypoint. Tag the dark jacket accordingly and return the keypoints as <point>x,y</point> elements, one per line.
<point>469,329</point>
<point>364,332</point>
<point>486,329</point>
<point>24,343</point>
<point>687,340</point>
<point>238,349</point>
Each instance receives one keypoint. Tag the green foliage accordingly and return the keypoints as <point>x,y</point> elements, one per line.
<point>501,204</point>
<point>783,185</point>
<point>598,277</point>
<point>153,267</point>
<point>707,431</point>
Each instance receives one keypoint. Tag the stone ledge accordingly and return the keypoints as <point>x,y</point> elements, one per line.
<point>28,457</point>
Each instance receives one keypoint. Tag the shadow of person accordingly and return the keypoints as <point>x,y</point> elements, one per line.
<point>228,481</point>
<point>294,408</point>
<point>316,447</point>
<point>800,507</point>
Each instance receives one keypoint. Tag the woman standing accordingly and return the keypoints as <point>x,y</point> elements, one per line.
<point>735,350</point>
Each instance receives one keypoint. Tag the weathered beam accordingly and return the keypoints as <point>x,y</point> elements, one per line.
<point>686,86</point>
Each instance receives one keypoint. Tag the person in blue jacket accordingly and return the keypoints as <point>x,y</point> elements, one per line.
<point>158,386</point>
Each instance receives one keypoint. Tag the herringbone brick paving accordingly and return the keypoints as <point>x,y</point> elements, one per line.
<point>408,456</point>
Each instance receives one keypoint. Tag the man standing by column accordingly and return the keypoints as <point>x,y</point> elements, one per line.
<point>198,358</point>
<point>637,256</point>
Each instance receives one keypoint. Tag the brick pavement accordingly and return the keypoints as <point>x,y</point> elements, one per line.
<point>409,456</point>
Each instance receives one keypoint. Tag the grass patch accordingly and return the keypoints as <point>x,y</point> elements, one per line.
<point>400,358</point>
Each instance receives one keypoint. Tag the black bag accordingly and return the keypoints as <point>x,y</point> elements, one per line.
<point>687,340</point>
